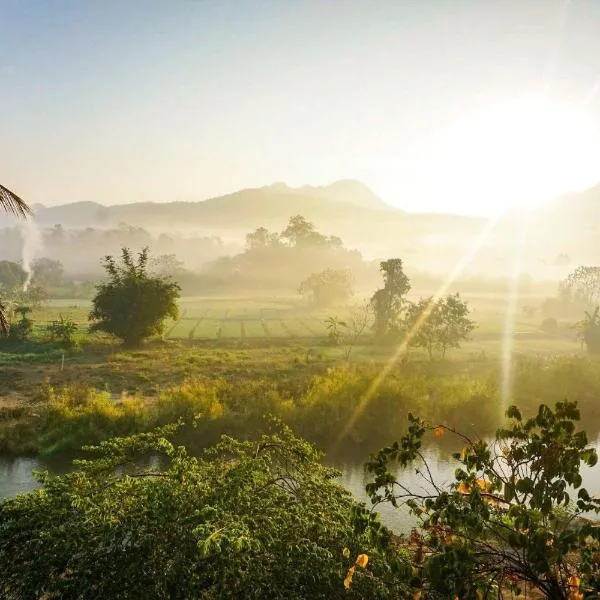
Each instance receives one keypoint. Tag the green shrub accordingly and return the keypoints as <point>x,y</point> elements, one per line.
<point>512,516</point>
<point>260,519</point>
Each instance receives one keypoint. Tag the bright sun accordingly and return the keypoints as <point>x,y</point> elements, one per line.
<point>515,154</point>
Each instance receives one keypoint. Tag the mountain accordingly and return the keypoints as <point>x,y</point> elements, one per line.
<point>271,206</point>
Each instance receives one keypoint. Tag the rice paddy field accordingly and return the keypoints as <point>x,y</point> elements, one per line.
<point>287,318</point>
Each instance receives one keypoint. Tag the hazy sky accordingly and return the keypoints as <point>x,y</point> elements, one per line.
<point>131,100</point>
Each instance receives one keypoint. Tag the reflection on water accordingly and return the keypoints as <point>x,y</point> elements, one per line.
<point>16,477</point>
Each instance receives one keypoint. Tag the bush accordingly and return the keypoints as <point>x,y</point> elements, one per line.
<point>260,519</point>
<point>512,517</point>
<point>133,305</point>
<point>22,329</point>
<point>63,331</point>
<point>549,325</point>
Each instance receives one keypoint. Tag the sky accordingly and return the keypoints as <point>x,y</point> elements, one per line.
<point>437,105</point>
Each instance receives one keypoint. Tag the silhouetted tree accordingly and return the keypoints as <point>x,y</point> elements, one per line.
<point>11,203</point>
<point>388,301</point>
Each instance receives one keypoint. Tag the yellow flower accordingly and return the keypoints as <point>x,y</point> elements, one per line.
<point>346,552</point>
<point>348,580</point>
<point>464,488</point>
<point>362,560</point>
<point>439,431</point>
<point>482,485</point>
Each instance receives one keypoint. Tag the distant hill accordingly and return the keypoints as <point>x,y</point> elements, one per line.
<point>345,200</point>
<point>567,225</point>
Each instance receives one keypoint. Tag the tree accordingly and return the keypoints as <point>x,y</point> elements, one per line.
<point>583,285</point>
<point>589,331</point>
<point>246,519</point>
<point>12,275</point>
<point>301,232</point>
<point>438,324</point>
<point>167,265</point>
<point>356,324</point>
<point>331,287</point>
<point>261,238</point>
<point>512,516</point>
<point>47,272</point>
<point>388,301</point>
<point>10,203</point>
<point>133,305</point>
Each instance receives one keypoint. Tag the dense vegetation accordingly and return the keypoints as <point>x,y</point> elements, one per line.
<point>257,519</point>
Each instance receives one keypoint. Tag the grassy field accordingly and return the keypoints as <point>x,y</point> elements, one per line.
<point>259,356</point>
<point>286,317</point>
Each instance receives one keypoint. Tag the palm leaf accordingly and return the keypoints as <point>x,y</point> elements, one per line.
<point>10,202</point>
<point>3,321</point>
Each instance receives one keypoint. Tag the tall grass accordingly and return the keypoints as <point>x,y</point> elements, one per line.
<point>468,398</point>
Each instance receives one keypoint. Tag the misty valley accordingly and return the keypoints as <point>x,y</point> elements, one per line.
<point>131,359</point>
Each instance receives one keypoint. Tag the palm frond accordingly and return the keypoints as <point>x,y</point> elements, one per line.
<point>10,202</point>
<point>3,321</point>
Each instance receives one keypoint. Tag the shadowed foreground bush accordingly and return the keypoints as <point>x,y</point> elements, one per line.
<point>257,519</point>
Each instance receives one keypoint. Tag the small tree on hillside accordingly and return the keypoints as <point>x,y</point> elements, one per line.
<point>388,301</point>
<point>133,305</point>
<point>330,287</point>
<point>437,325</point>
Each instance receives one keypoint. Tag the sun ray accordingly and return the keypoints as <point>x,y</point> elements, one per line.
<point>401,348</point>
<point>508,334</point>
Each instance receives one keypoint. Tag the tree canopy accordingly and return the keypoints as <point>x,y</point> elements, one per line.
<point>133,304</point>
<point>254,519</point>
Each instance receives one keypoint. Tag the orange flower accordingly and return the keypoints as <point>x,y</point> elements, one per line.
<point>464,488</point>
<point>439,431</point>
<point>362,560</point>
<point>482,485</point>
<point>574,588</point>
<point>417,595</point>
<point>348,580</point>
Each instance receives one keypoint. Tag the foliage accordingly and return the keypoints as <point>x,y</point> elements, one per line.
<point>388,301</point>
<point>589,331</point>
<point>133,305</point>
<point>358,322</point>
<point>11,203</point>
<point>513,515</point>
<point>584,285</point>
<point>21,330</point>
<point>12,275</point>
<point>549,325</point>
<point>335,327</point>
<point>63,330</point>
<point>47,272</point>
<point>261,519</point>
<point>260,239</point>
<point>330,287</point>
<point>438,324</point>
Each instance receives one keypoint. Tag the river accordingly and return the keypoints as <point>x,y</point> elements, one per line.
<point>16,476</point>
